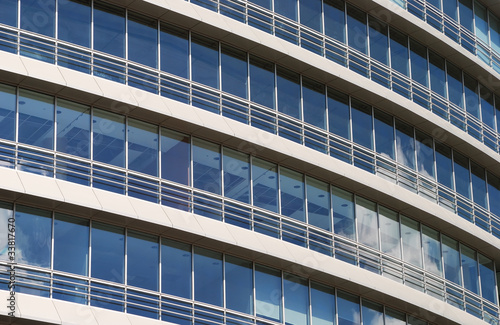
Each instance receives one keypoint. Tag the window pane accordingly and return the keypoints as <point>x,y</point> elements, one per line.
<point>384,134</point>
<point>205,61</point>
<point>33,236</point>
<point>367,223</point>
<point>471,95</point>
<point>444,165</point>
<point>418,58</point>
<point>469,266</point>
<point>343,212</point>
<point>455,85</point>
<point>262,82</point>
<point>74,21</point>
<point>268,293</point>
<point>405,144</point>
<point>379,46</point>
<point>142,260</point>
<point>236,175</point>
<point>289,92</point>
<point>287,8</point>
<point>36,119</point>
<point>265,185</point>
<point>389,232</point>
<point>8,12</point>
<point>296,293</point>
<point>5,214</point>
<point>488,283</point>
<point>71,244</point>
<point>348,309</point>
<point>432,250</point>
<point>174,47</point>
<point>176,268</point>
<point>394,317</point>
<point>494,193</point>
<point>109,29</point>
<point>142,40</point>
<point>175,157</point>
<point>338,113</point>
<point>322,304</point>
<point>335,19</point>
<point>208,276</point>
<point>73,128</point>
<point>310,14</point>
<point>373,313</point>
<point>313,94</point>
<point>143,147</point>
<point>399,52</point>
<point>318,204</point>
<point>451,258</point>
<point>438,78</point>
<point>239,285</point>
<point>206,166</point>
<point>425,154</point>
<point>7,112</point>
<point>412,251</point>
<point>462,179</point>
<point>362,127</point>
<point>292,194</point>
<point>32,19</point>
<point>478,184</point>
<point>108,252</point>
<point>357,33</point>
<point>494,32</point>
<point>109,138</point>
<point>234,71</point>
<point>487,108</point>
<point>481,21</point>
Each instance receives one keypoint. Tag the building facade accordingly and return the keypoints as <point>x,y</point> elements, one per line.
<point>249,162</point>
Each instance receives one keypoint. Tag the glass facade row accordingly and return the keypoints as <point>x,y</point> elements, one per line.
<point>397,61</point>
<point>161,278</point>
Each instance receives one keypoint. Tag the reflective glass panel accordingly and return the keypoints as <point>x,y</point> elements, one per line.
<point>322,304</point>
<point>205,61</point>
<point>268,293</point>
<point>265,184</point>
<point>410,232</point>
<point>488,283</point>
<point>292,194</point>
<point>175,157</point>
<point>495,32</point>
<point>373,313</point>
<point>288,92</point>
<point>109,138</point>
<point>405,144</point>
<point>481,22</point>
<point>455,85</point>
<point>296,293</point>
<point>8,12</point>
<point>444,165</point>
<point>287,8</point>
<point>334,13</point>
<point>438,77</point>
<point>108,252</point>
<point>39,16</point>
<point>311,14</point>
<point>418,59</point>
<point>174,50</point>
<point>425,154</point>
<point>33,236</point>
<point>71,244</point>
<point>432,250</point>
<point>73,128</point>
<point>470,270</point>
<point>208,276</point>
<point>318,204</point>
<point>389,232</point>
<point>314,103</point>
<point>36,119</point>
<point>5,214</point>
<point>348,309</point>
<point>73,21</point>
<point>367,223</point>
<point>236,175</point>
<point>487,108</point>
<point>356,29</point>
<point>109,29</point>
<point>239,284</point>
<point>478,184</point>
<point>142,260</point>
<point>494,193</point>
<point>379,44</point>
<point>234,71</point>
<point>262,82</point>
<point>451,258</point>
<point>399,52</point>
<point>176,268</point>
<point>206,166</point>
<point>7,112</point>
<point>362,127</point>
<point>394,317</point>
<point>462,178</point>
<point>142,40</point>
<point>338,113</point>
<point>384,134</point>
<point>343,213</point>
<point>471,95</point>
<point>143,147</point>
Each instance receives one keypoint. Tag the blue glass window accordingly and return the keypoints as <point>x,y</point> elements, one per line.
<point>109,29</point>
<point>348,309</point>
<point>467,21</point>
<point>367,222</point>
<point>478,184</point>
<point>174,47</point>
<point>143,147</point>
<point>142,40</point>
<point>296,293</point>
<point>314,103</point>
<point>372,313</point>
<point>451,259</point>
<point>379,50</point>
<point>438,77</point>
<point>239,285</point>
<point>405,144</point>
<point>6,213</point>
<point>487,109</point>
<point>109,138</point>
<point>418,59</point>
<point>318,204</point>
<point>444,165</point>
<point>462,177</point>
<point>236,175</point>
<point>334,12</point>
<point>7,112</point>
<point>487,274</point>
<point>234,71</point>
<point>36,119</point>
<point>399,52</point>
<point>262,82</point>
<point>73,128</point>
<point>494,193</point>
<point>71,244</point>
<point>73,21</point>
<point>362,124</point>
<point>389,232</point>
<point>208,276</point>
<point>384,134</point>
<point>176,268</point>
<point>495,32</point>
<point>470,269</point>
<point>357,32</point>
<point>432,250</point>
<point>292,194</point>
<point>455,86</point>
<point>322,304</point>
<point>289,92</point>
<point>343,213</point>
<point>268,293</point>
<point>265,185</point>
<point>175,157</point>
<point>425,154</point>
<point>394,317</point>
<point>8,12</point>
<point>206,166</point>
<point>108,252</point>
<point>205,61</point>
<point>481,31</point>
<point>412,246</point>
<point>142,260</point>
<point>33,236</point>
<point>471,95</point>
<point>39,16</point>
<point>287,8</point>
<point>338,113</point>
<point>311,14</point>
